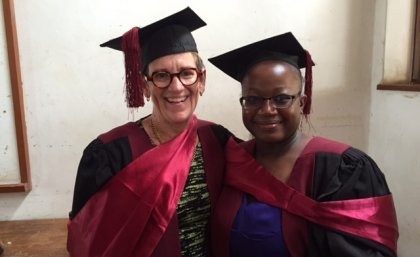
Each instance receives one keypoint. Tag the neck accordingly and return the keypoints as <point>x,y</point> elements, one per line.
<point>163,131</point>
<point>276,149</point>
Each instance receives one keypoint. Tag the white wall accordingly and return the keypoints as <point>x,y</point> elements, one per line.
<point>74,89</point>
<point>394,125</point>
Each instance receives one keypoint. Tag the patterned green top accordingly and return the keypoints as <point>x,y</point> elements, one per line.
<point>194,210</point>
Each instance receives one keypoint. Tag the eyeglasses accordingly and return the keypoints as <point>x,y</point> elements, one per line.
<point>278,101</point>
<point>163,79</point>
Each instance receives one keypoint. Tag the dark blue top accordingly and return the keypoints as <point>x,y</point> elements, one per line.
<point>257,231</point>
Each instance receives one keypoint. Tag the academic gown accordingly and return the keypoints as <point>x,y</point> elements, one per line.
<point>335,203</point>
<point>120,209</point>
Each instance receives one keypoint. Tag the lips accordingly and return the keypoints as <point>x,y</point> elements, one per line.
<point>267,125</point>
<point>267,122</point>
<point>175,100</point>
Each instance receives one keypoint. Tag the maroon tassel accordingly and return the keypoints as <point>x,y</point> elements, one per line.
<point>134,82</point>
<point>308,84</point>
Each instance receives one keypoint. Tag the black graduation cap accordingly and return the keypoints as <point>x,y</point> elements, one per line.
<point>284,47</point>
<point>141,46</point>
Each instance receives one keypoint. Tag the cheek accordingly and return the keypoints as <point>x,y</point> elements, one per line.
<point>294,118</point>
<point>246,119</point>
<point>155,94</point>
<point>194,96</point>
<point>194,93</point>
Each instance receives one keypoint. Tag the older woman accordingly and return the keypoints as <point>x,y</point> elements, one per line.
<point>146,188</point>
<point>286,193</point>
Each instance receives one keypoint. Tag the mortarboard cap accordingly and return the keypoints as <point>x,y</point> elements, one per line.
<point>141,46</point>
<point>284,47</point>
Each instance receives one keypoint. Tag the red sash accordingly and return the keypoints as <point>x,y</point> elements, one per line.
<point>373,218</point>
<point>130,214</point>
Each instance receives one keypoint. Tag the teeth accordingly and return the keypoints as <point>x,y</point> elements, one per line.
<point>176,100</point>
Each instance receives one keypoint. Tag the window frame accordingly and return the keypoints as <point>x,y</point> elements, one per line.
<point>25,184</point>
<point>414,83</point>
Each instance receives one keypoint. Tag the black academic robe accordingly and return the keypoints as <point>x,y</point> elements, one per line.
<point>336,202</point>
<point>112,154</point>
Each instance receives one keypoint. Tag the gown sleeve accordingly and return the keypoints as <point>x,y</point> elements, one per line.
<point>99,163</point>
<point>352,175</point>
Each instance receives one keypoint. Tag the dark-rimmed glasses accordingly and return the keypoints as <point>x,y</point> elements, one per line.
<point>163,79</point>
<point>278,101</point>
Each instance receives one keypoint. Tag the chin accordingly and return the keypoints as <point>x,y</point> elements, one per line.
<point>181,117</point>
<point>269,137</point>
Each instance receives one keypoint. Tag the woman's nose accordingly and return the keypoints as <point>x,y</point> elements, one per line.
<point>175,84</point>
<point>267,107</point>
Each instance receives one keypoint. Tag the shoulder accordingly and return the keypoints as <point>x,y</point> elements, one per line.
<point>323,145</point>
<point>111,143</point>
<point>344,172</point>
<point>107,154</point>
<point>346,154</point>
<point>104,157</point>
<point>132,134</point>
<point>208,130</point>
<point>119,132</point>
<point>203,123</point>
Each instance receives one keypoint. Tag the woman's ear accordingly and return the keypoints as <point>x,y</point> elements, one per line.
<point>146,89</point>
<point>302,101</point>
<point>202,86</point>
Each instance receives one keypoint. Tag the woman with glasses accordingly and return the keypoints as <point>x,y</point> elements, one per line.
<point>286,193</point>
<point>146,188</point>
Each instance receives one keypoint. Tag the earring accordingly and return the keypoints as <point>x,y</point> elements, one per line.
<point>201,93</point>
<point>148,99</point>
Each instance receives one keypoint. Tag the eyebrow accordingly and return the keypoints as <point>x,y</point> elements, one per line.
<point>166,70</point>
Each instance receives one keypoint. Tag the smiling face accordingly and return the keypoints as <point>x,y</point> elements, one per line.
<point>175,104</point>
<point>267,79</point>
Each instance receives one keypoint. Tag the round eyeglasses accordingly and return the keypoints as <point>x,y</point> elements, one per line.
<point>163,79</point>
<point>278,101</point>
